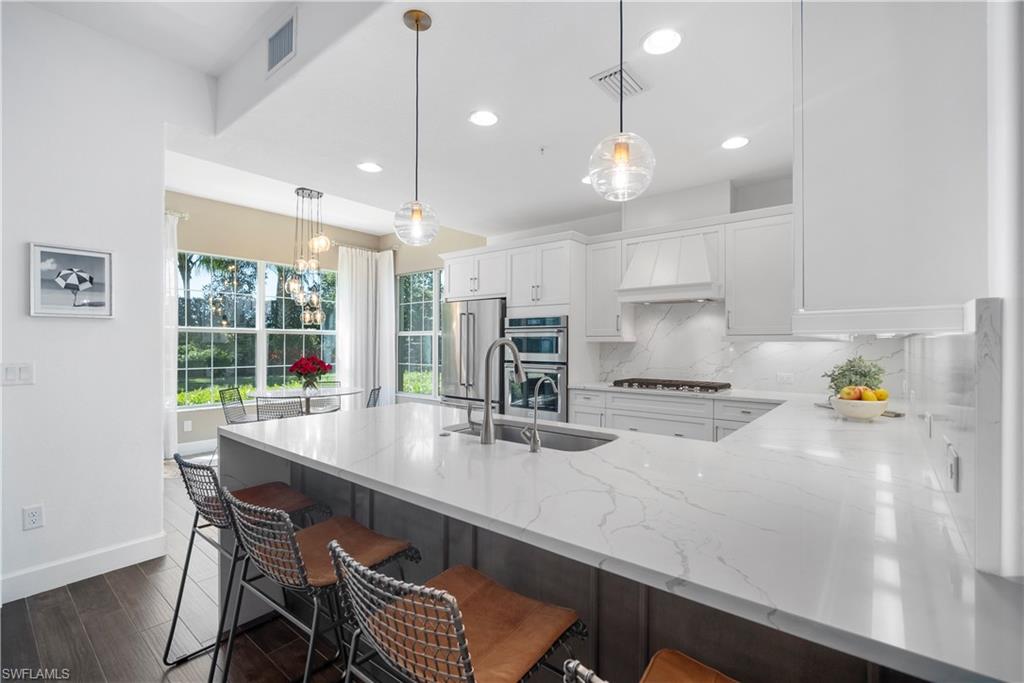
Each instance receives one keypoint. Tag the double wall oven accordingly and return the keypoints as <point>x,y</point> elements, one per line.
<point>543,349</point>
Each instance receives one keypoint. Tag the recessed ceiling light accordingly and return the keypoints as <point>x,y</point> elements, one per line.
<point>661,42</point>
<point>585,180</point>
<point>483,118</point>
<point>370,167</point>
<point>735,143</point>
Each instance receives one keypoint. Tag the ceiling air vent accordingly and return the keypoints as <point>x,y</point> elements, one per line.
<point>281,45</point>
<point>608,81</point>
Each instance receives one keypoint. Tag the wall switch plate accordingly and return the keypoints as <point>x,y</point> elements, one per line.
<point>32,517</point>
<point>187,425</point>
<point>18,373</point>
<point>784,378</point>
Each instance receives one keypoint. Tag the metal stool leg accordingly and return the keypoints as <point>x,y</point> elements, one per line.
<point>236,557</point>
<point>312,640</point>
<point>234,620</point>
<point>177,602</point>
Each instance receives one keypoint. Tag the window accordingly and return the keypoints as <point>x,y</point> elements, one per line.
<point>222,342</point>
<point>419,338</point>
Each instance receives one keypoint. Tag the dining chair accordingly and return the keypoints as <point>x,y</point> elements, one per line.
<point>299,563</point>
<point>373,398</point>
<point>459,626</point>
<point>234,408</point>
<point>666,666</point>
<point>275,408</point>
<point>211,514</point>
<point>324,404</point>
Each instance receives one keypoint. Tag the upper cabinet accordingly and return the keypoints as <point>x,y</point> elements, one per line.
<point>759,276</point>
<point>539,275</point>
<point>607,319</point>
<point>477,277</point>
<point>890,172</point>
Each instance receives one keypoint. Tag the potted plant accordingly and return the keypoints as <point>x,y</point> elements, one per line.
<point>310,369</point>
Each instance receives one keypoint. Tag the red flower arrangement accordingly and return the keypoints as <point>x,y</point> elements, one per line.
<point>310,369</point>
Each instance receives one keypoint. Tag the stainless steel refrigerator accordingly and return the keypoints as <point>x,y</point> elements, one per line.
<point>467,330</point>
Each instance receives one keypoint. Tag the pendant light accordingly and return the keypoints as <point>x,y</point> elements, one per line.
<point>415,222</point>
<point>622,165</point>
<point>309,243</point>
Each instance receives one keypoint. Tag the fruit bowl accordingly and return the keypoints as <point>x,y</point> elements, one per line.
<point>858,410</point>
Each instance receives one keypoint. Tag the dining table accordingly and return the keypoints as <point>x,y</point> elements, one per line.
<point>306,396</point>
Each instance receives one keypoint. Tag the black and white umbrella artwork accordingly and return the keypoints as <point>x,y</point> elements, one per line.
<point>74,281</point>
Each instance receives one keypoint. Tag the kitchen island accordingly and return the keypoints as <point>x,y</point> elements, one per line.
<point>803,546</point>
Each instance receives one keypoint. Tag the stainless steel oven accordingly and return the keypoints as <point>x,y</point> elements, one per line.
<point>518,398</point>
<point>540,339</point>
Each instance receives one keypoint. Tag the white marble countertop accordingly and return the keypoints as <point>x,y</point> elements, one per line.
<point>831,530</point>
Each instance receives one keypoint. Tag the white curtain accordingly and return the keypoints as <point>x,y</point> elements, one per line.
<point>366,320</point>
<point>170,334</point>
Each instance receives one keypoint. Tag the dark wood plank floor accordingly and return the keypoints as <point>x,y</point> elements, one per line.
<point>113,627</point>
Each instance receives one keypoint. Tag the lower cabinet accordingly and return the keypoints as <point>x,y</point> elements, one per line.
<point>686,427</point>
<point>584,415</point>
<point>688,417</point>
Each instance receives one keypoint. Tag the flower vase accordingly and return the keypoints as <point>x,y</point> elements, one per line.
<point>310,386</point>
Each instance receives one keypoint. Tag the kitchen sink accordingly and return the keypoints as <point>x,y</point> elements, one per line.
<point>557,438</point>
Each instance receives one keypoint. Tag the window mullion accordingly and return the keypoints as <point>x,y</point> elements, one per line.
<point>261,327</point>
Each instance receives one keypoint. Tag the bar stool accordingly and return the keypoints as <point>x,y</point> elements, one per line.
<point>666,666</point>
<point>374,398</point>
<point>300,563</point>
<point>234,408</point>
<point>204,490</point>
<point>425,632</point>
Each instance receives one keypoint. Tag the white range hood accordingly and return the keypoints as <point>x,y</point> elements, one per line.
<point>673,268</point>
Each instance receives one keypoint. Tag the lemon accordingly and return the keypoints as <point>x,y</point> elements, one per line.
<point>868,395</point>
<point>882,394</point>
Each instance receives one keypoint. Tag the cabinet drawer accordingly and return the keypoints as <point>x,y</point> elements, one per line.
<point>689,428</point>
<point>588,399</point>
<point>681,405</point>
<point>582,415</point>
<point>741,411</point>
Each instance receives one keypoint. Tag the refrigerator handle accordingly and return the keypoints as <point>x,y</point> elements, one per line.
<point>463,317</point>
<point>472,352</point>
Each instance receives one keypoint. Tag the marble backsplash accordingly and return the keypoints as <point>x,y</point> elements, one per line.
<point>687,341</point>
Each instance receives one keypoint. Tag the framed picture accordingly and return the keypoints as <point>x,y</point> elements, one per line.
<point>70,282</point>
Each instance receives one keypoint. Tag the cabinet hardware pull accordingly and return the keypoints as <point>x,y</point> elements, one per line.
<point>728,320</point>
<point>633,429</point>
<point>618,321</point>
<point>680,435</point>
<point>746,412</point>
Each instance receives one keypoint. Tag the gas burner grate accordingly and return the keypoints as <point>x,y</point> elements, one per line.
<point>695,386</point>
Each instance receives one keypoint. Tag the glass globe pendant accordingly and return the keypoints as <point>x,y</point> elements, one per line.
<point>622,165</point>
<point>416,223</point>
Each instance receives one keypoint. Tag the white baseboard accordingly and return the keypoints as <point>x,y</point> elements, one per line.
<point>49,575</point>
<point>197,447</point>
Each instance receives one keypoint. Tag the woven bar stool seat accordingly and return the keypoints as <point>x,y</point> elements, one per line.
<point>666,666</point>
<point>275,494</point>
<point>460,627</point>
<point>370,547</point>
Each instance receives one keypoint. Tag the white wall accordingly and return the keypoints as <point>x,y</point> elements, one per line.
<point>83,126</point>
<point>747,196</point>
<point>650,211</point>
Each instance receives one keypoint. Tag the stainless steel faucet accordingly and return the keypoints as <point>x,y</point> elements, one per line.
<point>534,434</point>
<point>487,426</point>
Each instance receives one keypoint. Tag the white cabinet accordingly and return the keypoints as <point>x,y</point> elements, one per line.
<point>724,428</point>
<point>759,276</point>
<point>590,417</point>
<point>607,319</point>
<point>686,427</point>
<point>476,277</point>
<point>539,275</point>
<point>892,168</point>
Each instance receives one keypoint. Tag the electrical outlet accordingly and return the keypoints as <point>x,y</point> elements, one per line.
<point>32,517</point>
<point>187,425</point>
<point>18,373</point>
<point>784,378</point>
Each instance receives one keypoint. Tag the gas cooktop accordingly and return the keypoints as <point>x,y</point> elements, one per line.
<point>692,385</point>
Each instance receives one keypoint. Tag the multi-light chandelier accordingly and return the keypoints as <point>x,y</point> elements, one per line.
<point>303,284</point>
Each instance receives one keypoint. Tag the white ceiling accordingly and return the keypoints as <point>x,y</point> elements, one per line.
<point>202,178</point>
<point>530,63</point>
<point>207,36</point>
